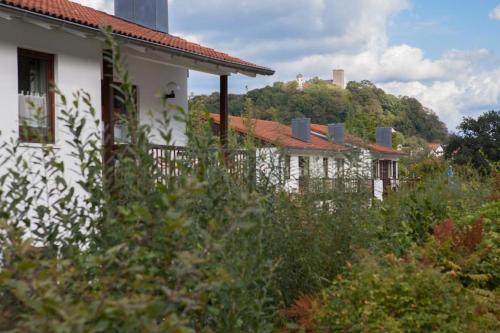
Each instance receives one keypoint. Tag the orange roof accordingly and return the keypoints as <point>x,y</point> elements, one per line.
<point>357,141</point>
<point>434,146</point>
<point>277,134</point>
<point>68,11</point>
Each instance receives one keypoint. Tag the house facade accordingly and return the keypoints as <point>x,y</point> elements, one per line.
<point>58,42</point>
<point>377,161</point>
<point>286,158</point>
<point>293,155</point>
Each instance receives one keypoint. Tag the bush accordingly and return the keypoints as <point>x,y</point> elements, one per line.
<point>407,217</point>
<point>391,295</point>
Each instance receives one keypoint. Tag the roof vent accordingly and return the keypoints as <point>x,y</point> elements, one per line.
<point>149,13</point>
<point>336,133</point>
<point>301,129</point>
<point>384,136</point>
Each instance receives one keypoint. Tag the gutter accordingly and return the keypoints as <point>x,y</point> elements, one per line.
<point>176,51</point>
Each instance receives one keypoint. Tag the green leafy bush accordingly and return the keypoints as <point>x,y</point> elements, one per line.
<point>393,295</point>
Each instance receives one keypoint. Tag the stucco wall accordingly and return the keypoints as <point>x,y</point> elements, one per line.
<point>77,66</point>
<point>151,77</point>
<point>78,63</point>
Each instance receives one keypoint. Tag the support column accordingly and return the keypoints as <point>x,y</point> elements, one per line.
<point>224,110</point>
<point>107,108</point>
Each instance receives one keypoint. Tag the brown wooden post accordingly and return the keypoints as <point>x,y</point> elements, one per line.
<point>224,110</point>
<point>107,109</point>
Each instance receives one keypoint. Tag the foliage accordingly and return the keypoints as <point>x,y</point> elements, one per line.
<point>477,143</point>
<point>127,249</point>
<point>429,167</point>
<point>445,276</point>
<point>362,106</point>
<point>396,295</point>
<point>312,241</point>
<point>122,249</point>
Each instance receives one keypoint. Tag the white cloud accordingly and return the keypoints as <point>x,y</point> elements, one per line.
<point>104,5</point>
<point>314,36</point>
<point>495,13</point>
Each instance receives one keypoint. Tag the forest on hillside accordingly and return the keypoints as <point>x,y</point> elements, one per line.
<point>361,106</point>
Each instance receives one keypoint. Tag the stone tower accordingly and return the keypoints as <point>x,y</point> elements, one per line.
<point>338,78</point>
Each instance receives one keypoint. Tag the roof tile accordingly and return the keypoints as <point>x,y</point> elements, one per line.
<point>277,134</point>
<point>73,12</point>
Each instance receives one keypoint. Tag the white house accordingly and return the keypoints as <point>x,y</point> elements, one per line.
<point>59,42</point>
<point>305,151</point>
<point>289,155</point>
<point>436,150</point>
<point>378,161</point>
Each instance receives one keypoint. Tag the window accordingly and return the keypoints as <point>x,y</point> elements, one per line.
<point>385,169</point>
<point>303,167</point>
<point>340,167</point>
<point>325,167</point>
<point>394,170</point>
<point>375,169</point>
<point>36,98</point>
<point>120,115</point>
<point>287,166</point>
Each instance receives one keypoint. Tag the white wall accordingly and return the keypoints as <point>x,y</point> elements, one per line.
<point>77,66</point>
<point>151,77</point>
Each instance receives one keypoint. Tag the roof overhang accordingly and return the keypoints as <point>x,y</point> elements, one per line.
<point>309,152</point>
<point>177,56</point>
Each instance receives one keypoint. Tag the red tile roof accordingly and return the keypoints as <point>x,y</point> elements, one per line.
<point>434,146</point>
<point>357,141</point>
<point>277,134</point>
<point>73,12</point>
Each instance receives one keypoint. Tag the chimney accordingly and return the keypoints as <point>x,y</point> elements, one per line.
<point>152,14</point>
<point>339,78</point>
<point>336,132</point>
<point>301,129</point>
<point>384,136</point>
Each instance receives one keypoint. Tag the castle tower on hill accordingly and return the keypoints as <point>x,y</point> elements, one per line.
<point>338,79</point>
<point>300,81</point>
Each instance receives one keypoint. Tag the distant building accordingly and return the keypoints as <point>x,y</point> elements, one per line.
<point>436,150</point>
<point>300,82</point>
<point>338,79</point>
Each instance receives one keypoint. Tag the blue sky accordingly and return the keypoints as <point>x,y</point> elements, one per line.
<point>445,53</point>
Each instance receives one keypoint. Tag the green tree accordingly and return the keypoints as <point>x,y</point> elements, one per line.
<point>477,143</point>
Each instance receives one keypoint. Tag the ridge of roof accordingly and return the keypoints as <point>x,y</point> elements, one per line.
<point>355,140</point>
<point>276,133</point>
<point>92,18</point>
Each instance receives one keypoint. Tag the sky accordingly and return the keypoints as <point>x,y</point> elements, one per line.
<point>446,53</point>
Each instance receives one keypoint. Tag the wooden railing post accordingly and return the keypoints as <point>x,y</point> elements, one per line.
<point>107,110</point>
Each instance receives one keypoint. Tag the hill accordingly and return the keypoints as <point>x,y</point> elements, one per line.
<point>362,106</point>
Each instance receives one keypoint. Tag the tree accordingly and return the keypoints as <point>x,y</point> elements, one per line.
<point>477,143</point>
<point>362,106</point>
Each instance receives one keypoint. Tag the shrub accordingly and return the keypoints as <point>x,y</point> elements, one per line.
<point>391,295</point>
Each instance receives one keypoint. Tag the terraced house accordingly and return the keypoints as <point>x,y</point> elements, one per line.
<point>59,42</point>
<point>45,43</point>
<point>302,154</point>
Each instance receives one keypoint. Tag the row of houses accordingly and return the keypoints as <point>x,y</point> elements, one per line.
<point>304,151</point>
<point>59,42</point>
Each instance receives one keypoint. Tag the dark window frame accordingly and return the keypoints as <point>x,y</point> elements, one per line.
<point>288,165</point>
<point>304,167</point>
<point>25,136</point>
<point>326,164</point>
<point>119,109</point>
<point>340,167</point>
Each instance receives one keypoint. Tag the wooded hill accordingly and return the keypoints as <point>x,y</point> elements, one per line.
<point>361,106</point>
